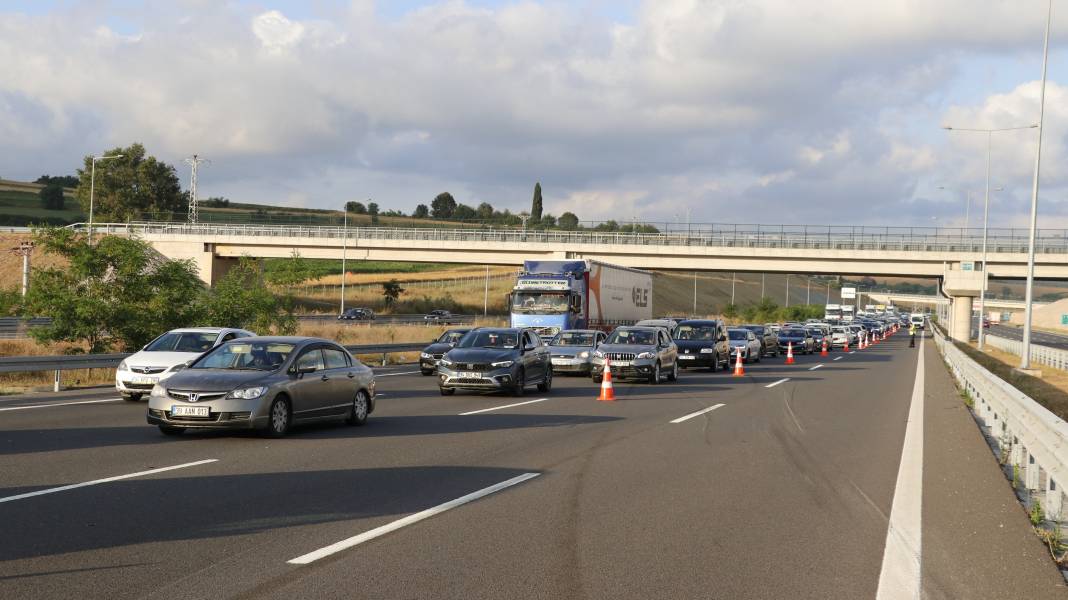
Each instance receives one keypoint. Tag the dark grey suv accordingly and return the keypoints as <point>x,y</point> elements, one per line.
<point>496,359</point>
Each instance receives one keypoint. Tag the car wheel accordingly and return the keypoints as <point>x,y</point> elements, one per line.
<point>132,398</point>
<point>598,379</point>
<point>426,371</point>
<point>519,387</point>
<point>278,418</point>
<point>361,405</point>
<point>446,391</point>
<point>674,374</point>
<point>546,385</point>
<point>168,430</point>
<point>715,363</point>
<point>655,377</point>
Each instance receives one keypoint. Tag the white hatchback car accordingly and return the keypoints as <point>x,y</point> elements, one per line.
<point>166,355</point>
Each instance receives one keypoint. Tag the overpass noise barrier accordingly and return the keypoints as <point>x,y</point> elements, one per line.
<point>1043,355</point>
<point>1028,438</point>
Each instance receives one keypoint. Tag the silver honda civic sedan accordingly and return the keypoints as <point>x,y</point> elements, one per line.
<point>264,383</point>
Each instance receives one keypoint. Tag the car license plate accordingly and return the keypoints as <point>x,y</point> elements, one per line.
<point>561,361</point>
<point>619,363</point>
<point>190,411</point>
<point>146,380</point>
<point>469,375</point>
<point>687,357</point>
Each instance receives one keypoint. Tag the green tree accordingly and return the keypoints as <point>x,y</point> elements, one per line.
<point>730,311</point>
<point>242,299</point>
<point>372,208</point>
<point>10,302</point>
<point>118,291</point>
<point>485,211</point>
<point>535,203</point>
<point>62,181</point>
<point>568,221</point>
<point>391,291</point>
<point>51,197</point>
<point>130,187</point>
<point>443,206</point>
<point>464,212</point>
<point>290,272</point>
<point>356,208</point>
<point>421,212</point>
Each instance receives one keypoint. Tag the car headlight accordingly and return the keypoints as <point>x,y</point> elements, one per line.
<point>176,368</point>
<point>123,366</point>
<point>504,364</point>
<point>248,393</point>
<point>646,355</point>
<point>445,362</point>
<point>584,354</point>
<point>707,350</point>
<point>158,391</point>
<point>424,355</point>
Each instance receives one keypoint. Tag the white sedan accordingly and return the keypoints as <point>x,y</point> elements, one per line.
<point>166,355</point>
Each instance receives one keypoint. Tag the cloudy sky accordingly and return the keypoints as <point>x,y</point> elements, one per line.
<point>732,111</point>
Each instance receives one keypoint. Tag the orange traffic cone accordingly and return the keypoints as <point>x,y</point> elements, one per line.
<point>739,370</point>
<point>823,351</point>
<point>789,353</point>
<point>845,345</point>
<point>608,393</point>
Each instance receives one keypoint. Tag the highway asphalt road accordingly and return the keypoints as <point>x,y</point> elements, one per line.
<point>1043,338</point>
<point>778,484</point>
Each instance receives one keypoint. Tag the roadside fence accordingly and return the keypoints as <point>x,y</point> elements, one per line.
<point>1043,355</point>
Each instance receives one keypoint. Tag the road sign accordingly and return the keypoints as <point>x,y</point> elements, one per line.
<point>1064,319</point>
<point>849,293</point>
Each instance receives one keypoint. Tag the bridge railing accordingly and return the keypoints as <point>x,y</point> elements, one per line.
<point>1043,355</point>
<point>1028,437</point>
<point>904,239</point>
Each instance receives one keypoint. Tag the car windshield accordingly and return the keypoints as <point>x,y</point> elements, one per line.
<point>695,332</point>
<point>632,336</point>
<point>183,341</point>
<point>490,339</point>
<point>451,337</point>
<point>736,334</point>
<point>246,356</point>
<point>539,303</point>
<point>757,329</point>
<point>573,338</point>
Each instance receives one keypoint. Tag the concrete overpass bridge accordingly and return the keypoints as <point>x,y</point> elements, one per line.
<point>953,258</point>
<point>924,300</point>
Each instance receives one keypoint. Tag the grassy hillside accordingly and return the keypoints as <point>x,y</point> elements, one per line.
<point>22,207</point>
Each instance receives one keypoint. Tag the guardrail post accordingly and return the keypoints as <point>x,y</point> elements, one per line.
<point>1054,499</point>
<point>55,382</point>
<point>1031,473</point>
<point>383,359</point>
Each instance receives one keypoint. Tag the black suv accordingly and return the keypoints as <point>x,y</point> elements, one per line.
<point>703,343</point>
<point>357,314</point>
<point>491,358</point>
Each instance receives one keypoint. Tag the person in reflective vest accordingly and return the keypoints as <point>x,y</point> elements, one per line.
<point>912,335</point>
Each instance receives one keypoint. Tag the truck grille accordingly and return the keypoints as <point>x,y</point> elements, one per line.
<point>620,355</point>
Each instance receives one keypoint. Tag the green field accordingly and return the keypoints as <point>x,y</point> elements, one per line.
<point>318,267</point>
<point>26,206</point>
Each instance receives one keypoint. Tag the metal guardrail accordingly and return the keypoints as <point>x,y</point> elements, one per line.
<point>907,239</point>
<point>1028,436</point>
<point>1043,355</point>
<point>391,320</point>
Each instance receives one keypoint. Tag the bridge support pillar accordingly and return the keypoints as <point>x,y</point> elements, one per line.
<point>210,266</point>
<point>960,319</point>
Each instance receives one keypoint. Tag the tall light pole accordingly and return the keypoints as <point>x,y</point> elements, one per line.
<point>734,278</point>
<point>194,161</point>
<point>92,186</point>
<point>1025,360</point>
<point>694,313</point>
<point>344,256</point>
<point>787,290</point>
<point>986,212</point>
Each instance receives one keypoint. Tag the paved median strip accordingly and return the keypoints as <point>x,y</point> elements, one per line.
<point>697,414</point>
<point>106,480</point>
<point>475,412</point>
<point>28,406</point>
<point>783,380</point>
<point>409,520</point>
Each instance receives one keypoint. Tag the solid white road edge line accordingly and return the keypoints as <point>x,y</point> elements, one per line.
<point>409,520</point>
<point>783,380</point>
<point>475,412</point>
<point>839,357</point>
<point>395,374</point>
<point>900,576</point>
<point>106,480</point>
<point>698,413</point>
<point>59,404</point>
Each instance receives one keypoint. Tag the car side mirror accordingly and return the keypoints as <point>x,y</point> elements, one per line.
<point>302,371</point>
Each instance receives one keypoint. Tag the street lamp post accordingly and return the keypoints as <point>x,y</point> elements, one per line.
<point>1025,360</point>
<point>986,212</point>
<point>92,185</point>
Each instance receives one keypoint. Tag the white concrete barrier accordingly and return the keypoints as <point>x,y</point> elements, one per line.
<point>1043,355</point>
<point>1026,435</point>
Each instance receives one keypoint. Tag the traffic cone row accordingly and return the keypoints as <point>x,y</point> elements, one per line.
<point>789,353</point>
<point>739,370</point>
<point>608,393</point>
<point>823,351</point>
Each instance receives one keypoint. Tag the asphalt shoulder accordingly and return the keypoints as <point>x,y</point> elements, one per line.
<point>977,540</point>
